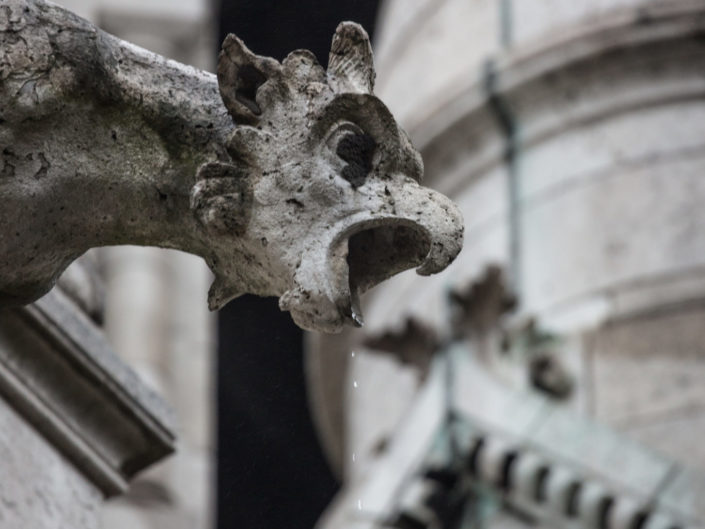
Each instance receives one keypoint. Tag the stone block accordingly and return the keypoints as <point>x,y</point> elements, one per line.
<point>427,42</point>
<point>650,370</point>
<point>39,488</point>
<point>541,19</point>
<point>596,236</point>
<point>603,147</point>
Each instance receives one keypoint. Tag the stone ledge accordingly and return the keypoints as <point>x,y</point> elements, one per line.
<point>58,371</point>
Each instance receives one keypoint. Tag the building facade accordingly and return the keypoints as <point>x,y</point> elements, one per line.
<point>571,135</point>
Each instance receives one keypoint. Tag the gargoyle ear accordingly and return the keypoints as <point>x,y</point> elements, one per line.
<point>350,64</point>
<point>221,198</point>
<point>240,75</point>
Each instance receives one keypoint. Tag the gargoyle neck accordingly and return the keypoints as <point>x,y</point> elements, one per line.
<point>129,208</point>
<point>95,160</point>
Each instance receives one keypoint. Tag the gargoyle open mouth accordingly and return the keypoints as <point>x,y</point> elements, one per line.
<point>416,227</point>
<point>377,253</point>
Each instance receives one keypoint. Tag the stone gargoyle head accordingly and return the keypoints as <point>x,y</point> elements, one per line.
<point>321,198</point>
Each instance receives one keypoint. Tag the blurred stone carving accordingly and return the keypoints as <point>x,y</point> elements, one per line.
<point>481,315</point>
<point>478,306</point>
<point>311,194</point>
<point>412,345</point>
<point>540,351</point>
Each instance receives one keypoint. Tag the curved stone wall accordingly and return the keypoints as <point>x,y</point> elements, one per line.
<point>572,135</point>
<point>607,119</point>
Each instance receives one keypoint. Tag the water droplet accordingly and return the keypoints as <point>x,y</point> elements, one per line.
<point>357,318</point>
<point>352,353</point>
<point>359,505</point>
<point>353,457</point>
<point>355,312</point>
<point>354,383</point>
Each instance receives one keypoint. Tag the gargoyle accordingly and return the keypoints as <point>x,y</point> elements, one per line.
<point>301,186</point>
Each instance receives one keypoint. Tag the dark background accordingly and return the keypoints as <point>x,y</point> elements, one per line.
<point>271,473</point>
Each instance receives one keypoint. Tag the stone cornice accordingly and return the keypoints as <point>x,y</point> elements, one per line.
<point>58,371</point>
<point>629,43</point>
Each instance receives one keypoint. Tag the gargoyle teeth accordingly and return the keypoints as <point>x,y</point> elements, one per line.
<point>351,309</point>
<point>355,311</point>
<point>220,292</point>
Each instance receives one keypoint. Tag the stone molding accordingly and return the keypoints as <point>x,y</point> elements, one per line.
<point>527,80</point>
<point>518,449</point>
<point>60,374</point>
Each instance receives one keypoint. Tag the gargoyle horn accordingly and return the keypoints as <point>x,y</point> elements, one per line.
<point>350,64</point>
<point>241,75</point>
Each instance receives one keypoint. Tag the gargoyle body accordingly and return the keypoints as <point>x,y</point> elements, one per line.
<point>301,185</point>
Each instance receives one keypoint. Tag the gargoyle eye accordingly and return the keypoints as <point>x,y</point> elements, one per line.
<point>357,149</point>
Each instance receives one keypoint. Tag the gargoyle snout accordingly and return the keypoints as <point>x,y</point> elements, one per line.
<point>445,225</point>
<point>439,218</point>
<point>414,227</point>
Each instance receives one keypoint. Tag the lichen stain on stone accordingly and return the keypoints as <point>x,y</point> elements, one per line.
<point>9,162</point>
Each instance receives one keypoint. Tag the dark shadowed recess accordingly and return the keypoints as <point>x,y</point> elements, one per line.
<point>271,471</point>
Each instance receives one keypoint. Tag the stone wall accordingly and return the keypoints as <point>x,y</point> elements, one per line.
<point>571,136</point>
<point>608,246</point>
<point>59,495</point>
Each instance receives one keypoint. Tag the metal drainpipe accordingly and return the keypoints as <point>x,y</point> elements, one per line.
<point>510,129</point>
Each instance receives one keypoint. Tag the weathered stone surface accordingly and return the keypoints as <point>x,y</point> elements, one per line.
<point>420,38</point>
<point>60,374</point>
<point>606,238</point>
<point>38,487</point>
<point>645,368</point>
<point>648,375</point>
<point>311,195</point>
